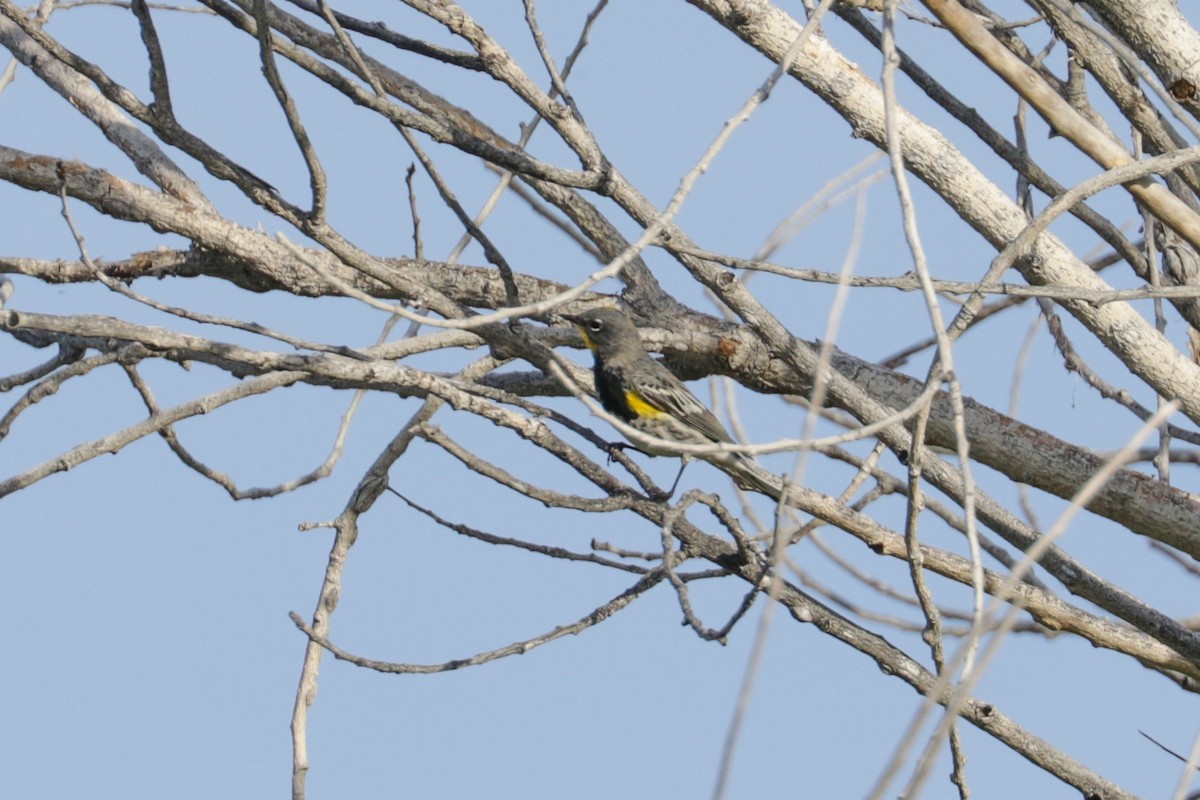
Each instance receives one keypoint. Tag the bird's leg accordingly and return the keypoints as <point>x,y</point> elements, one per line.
<point>683,462</point>
<point>612,448</point>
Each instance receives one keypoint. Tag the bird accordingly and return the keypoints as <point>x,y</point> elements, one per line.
<point>642,392</point>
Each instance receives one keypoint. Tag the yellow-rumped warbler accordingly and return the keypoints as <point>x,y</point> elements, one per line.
<point>642,392</point>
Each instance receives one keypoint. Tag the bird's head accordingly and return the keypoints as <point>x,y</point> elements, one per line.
<point>604,329</point>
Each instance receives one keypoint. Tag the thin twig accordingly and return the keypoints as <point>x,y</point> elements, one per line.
<point>621,601</point>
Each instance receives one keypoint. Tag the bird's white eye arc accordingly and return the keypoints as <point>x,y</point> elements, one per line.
<point>595,324</point>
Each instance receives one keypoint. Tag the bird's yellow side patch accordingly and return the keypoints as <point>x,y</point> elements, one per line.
<point>640,407</point>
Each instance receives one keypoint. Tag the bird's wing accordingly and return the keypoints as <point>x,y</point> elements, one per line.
<point>669,394</point>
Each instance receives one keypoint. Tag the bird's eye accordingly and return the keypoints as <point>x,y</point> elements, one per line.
<point>595,324</point>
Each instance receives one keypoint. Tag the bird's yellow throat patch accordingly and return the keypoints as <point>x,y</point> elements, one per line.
<point>586,339</point>
<point>641,408</point>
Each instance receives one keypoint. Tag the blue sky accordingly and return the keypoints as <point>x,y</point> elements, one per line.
<point>149,650</point>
